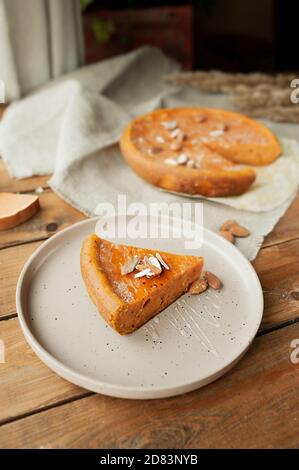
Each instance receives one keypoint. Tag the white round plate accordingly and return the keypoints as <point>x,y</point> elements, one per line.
<point>191,343</point>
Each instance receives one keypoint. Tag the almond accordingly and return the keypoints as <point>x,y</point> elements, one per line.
<point>216,133</point>
<point>154,265</point>
<point>228,236</point>
<point>234,228</point>
<point>176,133</point>
<point>178,137</point>
<point>227,225</point>
<point>142,265</point>
<point>145,272</point>
<point>191,164</point>
<point>170,125</point>
<point>161,260</point>
<point>198,286</point>
<point>212,280</point>
<point>151,265</point>
<point>171,161</point>
<point>239,231</point>
<point>182,159</point>
<point>160,139</point>
<point>175,146</point>
<point>154,270</point>
<point>130,266</point>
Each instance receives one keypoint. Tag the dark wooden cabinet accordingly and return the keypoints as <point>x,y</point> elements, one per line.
<point>286,34</point>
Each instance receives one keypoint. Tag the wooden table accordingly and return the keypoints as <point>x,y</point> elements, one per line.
<point>255,405</point>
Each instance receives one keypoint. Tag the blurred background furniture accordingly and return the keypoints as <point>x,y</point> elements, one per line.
<point>227,35</point>
<point>40,41</point>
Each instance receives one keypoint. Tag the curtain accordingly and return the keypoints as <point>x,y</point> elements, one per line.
<point>39,40</point>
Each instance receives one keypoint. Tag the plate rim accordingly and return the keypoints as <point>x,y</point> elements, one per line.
<point>126,391</point>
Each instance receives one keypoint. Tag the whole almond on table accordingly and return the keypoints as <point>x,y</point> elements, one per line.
<point>227,225</point>
<point>198,286</point>
<point>228,236</point>
<point>212,280</point>
<point>239,231</point>
<point>234,228</point>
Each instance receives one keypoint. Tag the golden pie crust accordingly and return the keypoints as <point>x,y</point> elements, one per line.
<point>219,143</point>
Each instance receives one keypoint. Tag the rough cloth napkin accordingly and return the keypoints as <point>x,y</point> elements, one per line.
<point>71,129</point>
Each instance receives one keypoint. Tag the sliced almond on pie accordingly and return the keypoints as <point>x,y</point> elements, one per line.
<point>16,208</point>
<point>127,302</point>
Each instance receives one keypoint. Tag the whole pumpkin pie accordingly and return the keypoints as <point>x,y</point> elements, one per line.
<point>200,151</point>
<point>130,285</point>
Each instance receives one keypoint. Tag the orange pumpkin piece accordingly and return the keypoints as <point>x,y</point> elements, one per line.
<point>16,209</point>
<point>125,301</point>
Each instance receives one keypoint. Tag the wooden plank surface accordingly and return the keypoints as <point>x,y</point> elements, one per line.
<point>13,185</point>
<point>11,262</point>
<point>255,405</point>
<point>26,384</point>
<point>281,305</point>
<point>55,214</point>
<point>278,270</point>
<point>288,226</point>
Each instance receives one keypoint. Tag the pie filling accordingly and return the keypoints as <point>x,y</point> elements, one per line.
<point>130,285</point>
<point>133,286</point>
<point>199,139</point>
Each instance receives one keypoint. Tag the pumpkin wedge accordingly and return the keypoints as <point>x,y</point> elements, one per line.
<point>16,209</point>
<point>124,295</point>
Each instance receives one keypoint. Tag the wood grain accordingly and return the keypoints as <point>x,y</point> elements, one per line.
<point>287,228</point>
<point>9,184</point>
<point>55,214</point>
<point>280,305</point>
<point>26,384</point>
<point>278,270</point>
<point>11,262</point>
<point>255,405</point>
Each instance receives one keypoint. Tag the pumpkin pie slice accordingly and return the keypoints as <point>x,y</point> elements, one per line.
<point>131,285</point>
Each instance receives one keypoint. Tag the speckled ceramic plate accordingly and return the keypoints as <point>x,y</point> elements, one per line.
<point>191,343</point>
